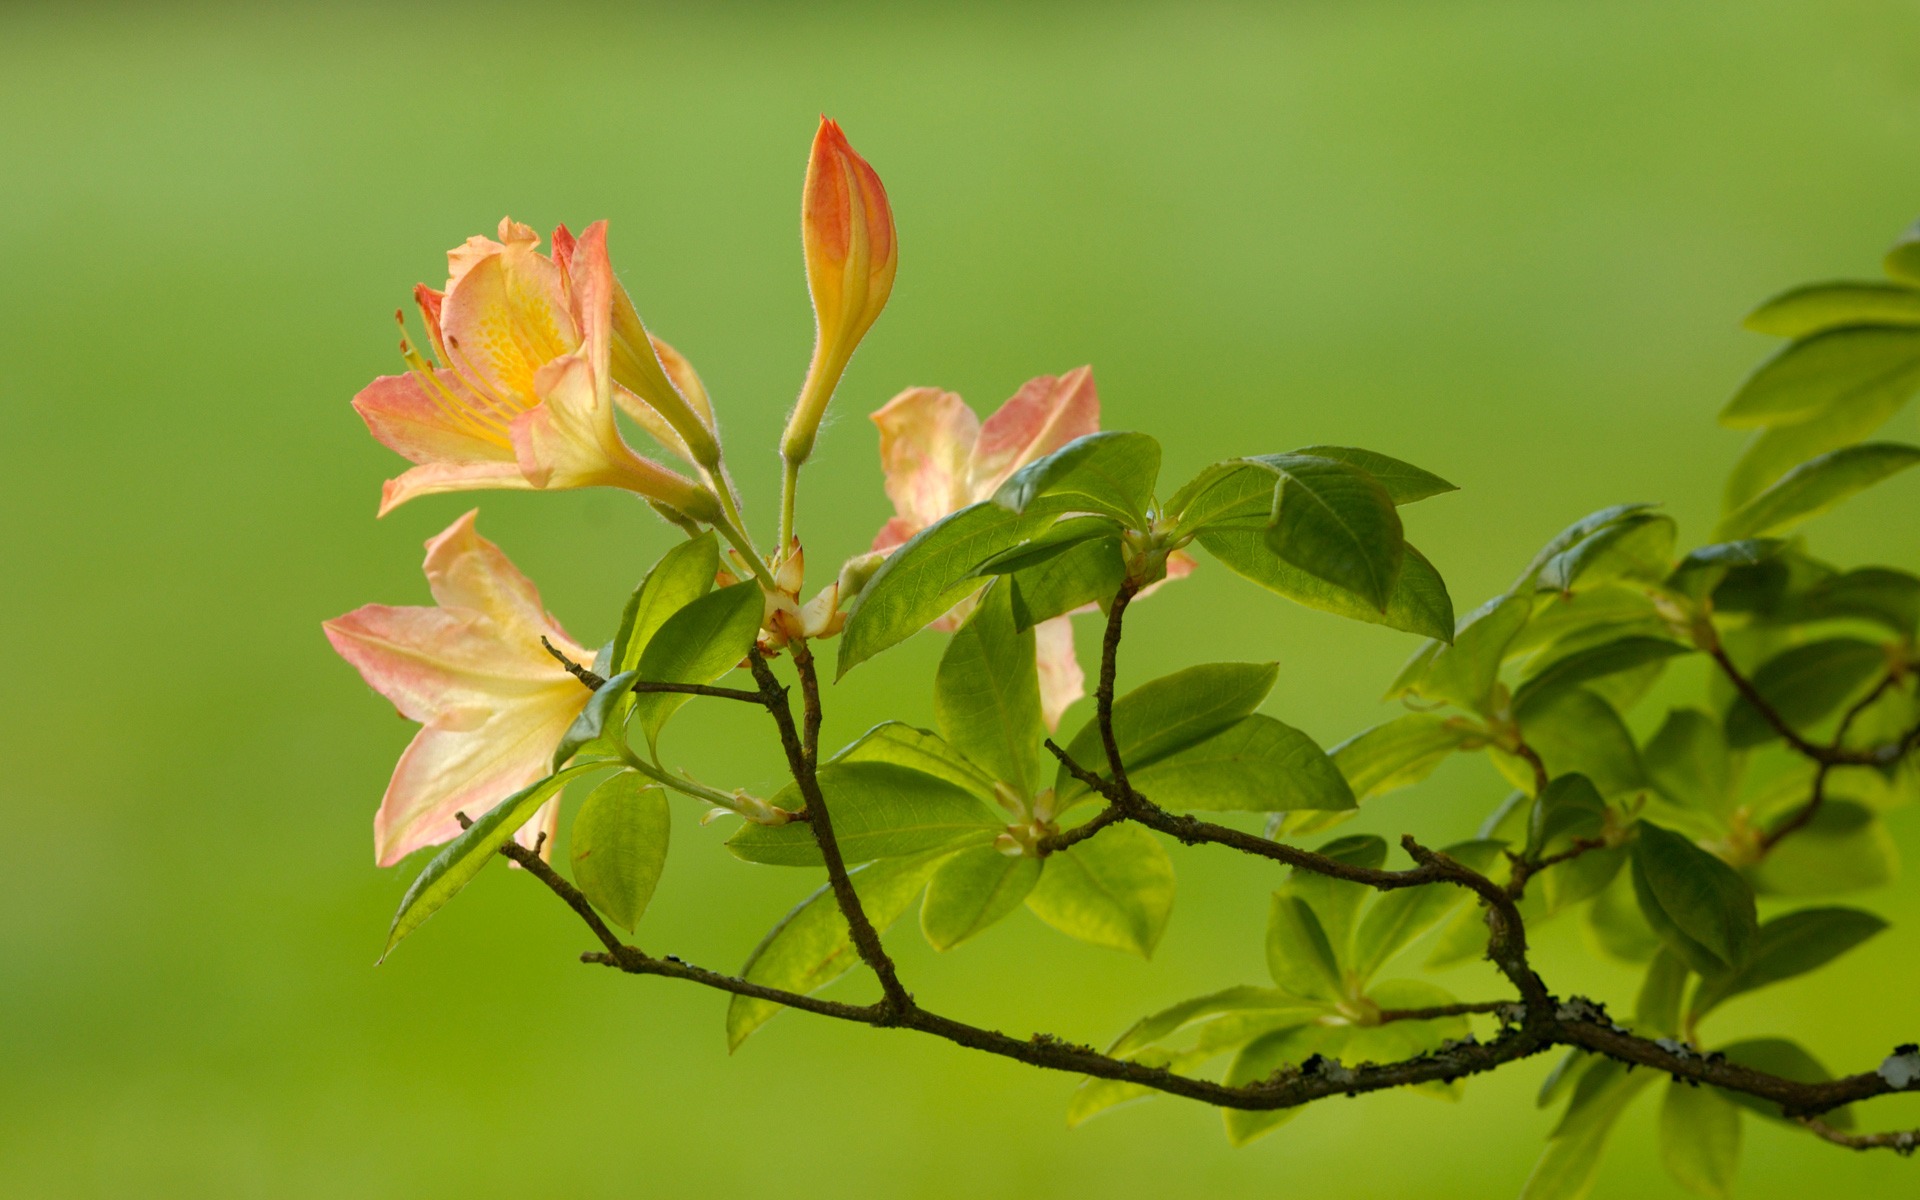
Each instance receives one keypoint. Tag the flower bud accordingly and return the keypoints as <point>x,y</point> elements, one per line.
<point>851,253</point>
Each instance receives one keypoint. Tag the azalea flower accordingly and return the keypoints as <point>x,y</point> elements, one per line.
<point>939,458</point>
<point>491,701</point>
<point>535,354</point>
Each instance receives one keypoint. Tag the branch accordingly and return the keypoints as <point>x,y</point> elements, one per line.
<point>1901,1142</point>
<point>1834,755</point>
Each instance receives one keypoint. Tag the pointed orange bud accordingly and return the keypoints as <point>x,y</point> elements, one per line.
<point>851,252</point>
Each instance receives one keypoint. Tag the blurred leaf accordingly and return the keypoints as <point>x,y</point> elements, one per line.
<point>1165,715</point>
<point>1159,1026</point>
<point>1701,571</point>
<point>1657,1009</point>
<point>879,810</point>
<point>1107,473</point>
<point>1902,262</point>
<point>1595,662</point>
<point>1817,485</point>
<point>1580,879</point>
<point>1569,539</point>
<point>929,575</point>
<point>1259,1060</point>
<point>1617,925</point>
<point>1257,764</point>
<point>1886,597</point>
<point>1829,369</point>
<point>1789,945</point>
<point>1687,759</point>
<point>619,846</point>
<point>1399,917</point>
<point>1575,730</point>
<point>1845,848</point>
<point>1299,957</point>
<point>1700,1139</point>
<point>972,890</point>
<point>1771,453</point>
<point>1114,890</point>
<point>1817,307</point>
<point>698,644</point>
<point>1639,545</point>
<point>1338,524</point>
<point>1789,1060</point>
<point>986,694</point>
<point>1399,753</point>
<point>1564,1074</point>
<point>1403,481</point>
<point>1096,1096</point>
<point>1463,938</point>
<point>920,749</point>
<point>1698,904</point>
<point>812,946</point>
<point>1567,1169</point>
<point>1804,684</point>
<point>1570,808</point>
<point>1336,902</point>
<point>461,859</point>
<point>590,730</point>
<point>1464,673</point>
<point>1419,603</point>
<point>1088,573</point>
<point>683,575</point>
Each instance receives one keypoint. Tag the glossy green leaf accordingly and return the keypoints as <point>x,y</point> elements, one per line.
<point>461,859</point>
<point>1698,904</point>
<point>1157,1027</point>
<point>1845,848</point>
<point>1638,546</point>
<point>1829,369</point>
<point>1166,715</point>
<point>1336,902</point>
<point>1817,485</point>
<point>1111,474</point>
<point>929,575</point>
<point>1399,753</point>
<point>1338,524</point>
<point>1789,945</point>
<point>1571,1161</point>
<point>1403,481</point>
<point>1419,603</point>
<point>1688,760</point>
<point>1088,573</point>
<point>619,846</point>
<point>1577,731</point>
<point>1701,570</point>
<point>1817,307</point>
<point>1113,890</point>
<point>920,749</point>
<point>812,946</point>
<point>1398,918</point>
<point>698,644</point>
<point>599,726</point>
<point>1594,662</point>
<point>1464,673</point>
<point>1804,684</point>
<point>683,575</point>
<point>1259,1060</point>
<point>1789,1060</point>
<point>986,694</point>
<point>971,891</point>
<point>1232,494</point>
<point>1052,542</point>
<point>1568,539</point>
<point>1257,764</point>
<point>1299,956</point>
<point>1700,1139</point>
<point>879,810</point>
<point>1656,1012</point>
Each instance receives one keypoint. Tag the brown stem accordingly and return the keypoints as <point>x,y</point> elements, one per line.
<point>1389,1015</point>
<point>1902,1142</point>
<point>809,699</point>
<point>1834,755</point>
<point>648,686</point>
<point>1109,669</point>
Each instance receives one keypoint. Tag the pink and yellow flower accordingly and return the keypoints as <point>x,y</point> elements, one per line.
<point>491,701</point>
<point>535,353</point>
<point>939,457</point>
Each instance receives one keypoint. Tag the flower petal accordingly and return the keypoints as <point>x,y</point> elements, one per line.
<point>1044,415</point>
<point>506,315</point>
<point>405,417</point>
<point>450,670</point>
<point>432,479</point>
<point>1061,680</point>
<point>926,436</point>
<point>466,571</point>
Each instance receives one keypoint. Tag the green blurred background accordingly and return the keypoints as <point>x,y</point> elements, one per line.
<point>1510,241</point>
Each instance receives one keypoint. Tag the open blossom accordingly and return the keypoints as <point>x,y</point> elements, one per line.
<point>535,353</point>
<point>491,701</point>
<point>848,237</point>
<point>939,457</point>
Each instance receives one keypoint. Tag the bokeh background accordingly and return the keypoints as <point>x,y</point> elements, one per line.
<point>1510,241</point>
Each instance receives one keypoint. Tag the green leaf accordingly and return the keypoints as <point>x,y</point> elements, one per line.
<point>929,575</point>
<point>1789,1060</point>
<point>1464,673</point>
<point>1567,1169</point>
<point>1570,808</point>
<point>1399,917</point>
<point>1113,890</point>
<point>1056,540</point>
<point>1617,925</point>
<point>1657,1010</point>
<point>683,575</point>
<point>1638,546</point>
<point>461,859</point>
<point>619,846</point>
<point>1419,603</point>
<point>1789,945</point>
<point>986,694</point>
<point>1157,1027</point>
<point>1096,1096</point>
<point>1571,537</point>
<point>879,810</point>
<point>1299,956</point>
<point>921,750</point>
<point>1576,731</point>
<point>1259,1060</point>
<point>1885,597</point>
<point>1818,307</point>
<point>1565,1073</point>
<point>1570,670</point>
<point>1698,904</point>
<point>972,890</point>
<point>1700,1139</point>
<point>1231,494</point>
<point>1701,571</point>
<point>1338,524</point>
<point>1804,684</point>
<point>1257,764</point>
<point>1336,902</point>
<point>1836,367</point>
<point>1107,473</point>
<point>1404,482</point>
<point>1817,485</point>
<point>598,727</point>
<point>1688,760</point>
<point>1399,753</point>
<point>1088,573</point>
<point>812,946</point>
<point>698,644</point>
<point>1902,261</point>
<point>1771,453</point>
<point>1165,715</point>
<point>1845,848</point>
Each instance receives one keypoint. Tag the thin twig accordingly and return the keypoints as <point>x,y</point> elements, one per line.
<point>592,681</point>
<point>1389,1015</point>
<point>1902,1141</point>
